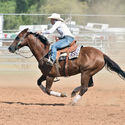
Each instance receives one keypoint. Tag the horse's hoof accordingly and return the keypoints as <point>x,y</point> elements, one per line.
<point>73,94</point>
<point>63,95</point>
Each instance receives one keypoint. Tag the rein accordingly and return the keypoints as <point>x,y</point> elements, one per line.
<point>23,55</point>
<point>18,52</point>
<point>21,40</point>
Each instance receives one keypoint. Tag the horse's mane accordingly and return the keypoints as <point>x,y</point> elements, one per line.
<point>42,38</point>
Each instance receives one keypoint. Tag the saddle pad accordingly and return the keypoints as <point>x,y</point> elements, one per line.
<point>72,55</point>
<point>75,53</point>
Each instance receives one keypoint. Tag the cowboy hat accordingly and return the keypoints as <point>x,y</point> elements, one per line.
<point>55,16</point>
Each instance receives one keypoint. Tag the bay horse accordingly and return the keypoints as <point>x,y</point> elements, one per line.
<point>89,62</point>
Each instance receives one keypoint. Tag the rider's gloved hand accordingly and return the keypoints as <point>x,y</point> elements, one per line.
<point>56,38</point>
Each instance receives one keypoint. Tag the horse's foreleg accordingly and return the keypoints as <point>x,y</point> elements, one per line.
<point>49,82</point>
<point>39,83</point>
<point>84,87</point>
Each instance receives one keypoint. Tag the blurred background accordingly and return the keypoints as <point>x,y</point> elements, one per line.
<point>97,23</point>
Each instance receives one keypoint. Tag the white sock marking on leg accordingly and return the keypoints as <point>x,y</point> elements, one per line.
<point>75,100</point>
<point>55,93</point>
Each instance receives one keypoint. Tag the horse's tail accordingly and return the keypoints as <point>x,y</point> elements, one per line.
<point>112,66</point>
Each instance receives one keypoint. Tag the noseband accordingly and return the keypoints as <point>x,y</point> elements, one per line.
<point>19,43</point>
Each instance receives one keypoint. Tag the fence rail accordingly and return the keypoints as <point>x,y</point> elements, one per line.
<point>111,43</point>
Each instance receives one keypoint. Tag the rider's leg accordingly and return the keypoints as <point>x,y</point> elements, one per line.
<point>66,41</point>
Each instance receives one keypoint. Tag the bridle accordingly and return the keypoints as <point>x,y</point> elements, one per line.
<point>18,53</point>
<point>20,41</point>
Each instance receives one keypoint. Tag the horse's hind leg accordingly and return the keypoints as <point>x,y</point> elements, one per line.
<point>84,87</point>
<point>91,83</point>
<point>77,89</point>
<point>49,82</point>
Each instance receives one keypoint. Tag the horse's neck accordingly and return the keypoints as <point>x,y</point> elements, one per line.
<point>38,49</point>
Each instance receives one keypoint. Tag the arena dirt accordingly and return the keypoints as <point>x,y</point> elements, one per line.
<point>23,103</point>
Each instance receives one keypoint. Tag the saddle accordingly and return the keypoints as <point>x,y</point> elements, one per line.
<point>72,47</point>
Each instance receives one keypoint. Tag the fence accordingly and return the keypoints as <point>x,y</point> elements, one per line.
<point>100,31</point>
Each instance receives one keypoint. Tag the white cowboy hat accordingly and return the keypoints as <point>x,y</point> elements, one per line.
<point>55,16</point>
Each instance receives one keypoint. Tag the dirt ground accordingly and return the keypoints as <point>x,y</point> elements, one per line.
<point>23,103</point>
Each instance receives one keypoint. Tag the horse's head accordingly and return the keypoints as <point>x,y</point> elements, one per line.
<point>19,41</point>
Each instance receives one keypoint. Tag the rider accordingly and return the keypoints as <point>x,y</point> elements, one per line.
<point>66,37</point>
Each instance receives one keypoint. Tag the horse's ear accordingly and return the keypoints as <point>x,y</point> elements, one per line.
<point>25,30</point>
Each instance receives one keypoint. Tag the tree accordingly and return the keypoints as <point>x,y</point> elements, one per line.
<point>21,6</point>
<point>7,6</point>
<point>65,7</point>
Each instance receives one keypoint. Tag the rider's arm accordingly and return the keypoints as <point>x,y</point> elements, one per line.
<point>54,27</point>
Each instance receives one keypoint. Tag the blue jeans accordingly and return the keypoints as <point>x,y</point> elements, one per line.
<point>62,43</point>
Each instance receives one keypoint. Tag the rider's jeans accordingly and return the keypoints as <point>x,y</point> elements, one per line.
<point>62,43</point>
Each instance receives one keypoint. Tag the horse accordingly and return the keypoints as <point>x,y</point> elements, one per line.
<point>88,63</point>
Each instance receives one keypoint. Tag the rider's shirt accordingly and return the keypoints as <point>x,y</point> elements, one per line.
<point>61,28</point>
